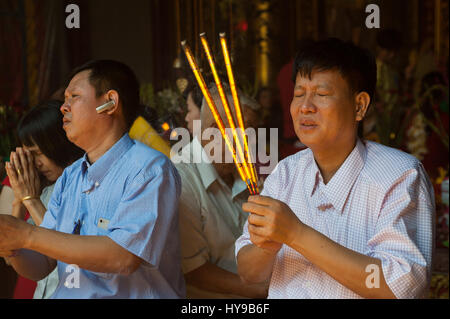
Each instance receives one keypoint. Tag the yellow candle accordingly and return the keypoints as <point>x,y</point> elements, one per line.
<point>226,107</point>
<point>237,105</point>
<point>215,113</point>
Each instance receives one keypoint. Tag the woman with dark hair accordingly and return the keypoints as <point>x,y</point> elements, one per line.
<point>45,151</point>
<point>193,97</point>
<point>35,167</point>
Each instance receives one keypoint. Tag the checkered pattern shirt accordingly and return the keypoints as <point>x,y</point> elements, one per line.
<point>379,203</point>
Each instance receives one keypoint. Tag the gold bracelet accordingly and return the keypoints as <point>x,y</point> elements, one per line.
<point>28,197</point>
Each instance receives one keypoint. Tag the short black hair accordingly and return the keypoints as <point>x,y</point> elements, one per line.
<point>42,125</point>
<point>196,94</point>
<point>356,65</point>
<point>113,75</point>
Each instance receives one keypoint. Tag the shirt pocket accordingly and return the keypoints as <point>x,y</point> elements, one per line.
<point>101,225</point>
<point>104,205</point>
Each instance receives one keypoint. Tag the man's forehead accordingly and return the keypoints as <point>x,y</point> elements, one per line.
<point>325,78</point>
<point>79,80</point>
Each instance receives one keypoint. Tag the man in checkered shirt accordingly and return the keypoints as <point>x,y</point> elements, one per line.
<point>345,218</point>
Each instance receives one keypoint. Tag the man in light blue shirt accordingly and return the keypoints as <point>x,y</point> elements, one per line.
<point>112,225</point>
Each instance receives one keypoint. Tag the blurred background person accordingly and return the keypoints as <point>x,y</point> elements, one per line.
<point>193,96</point>
<point>211,217</point>
<point>44,154</point>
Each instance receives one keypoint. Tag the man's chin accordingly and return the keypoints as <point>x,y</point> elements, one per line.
<point>71,136</point>
<point>308,139</point>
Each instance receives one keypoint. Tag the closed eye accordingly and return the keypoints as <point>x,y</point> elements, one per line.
<point>68,98</point>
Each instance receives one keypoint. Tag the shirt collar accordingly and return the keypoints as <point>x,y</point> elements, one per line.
<point>97,171</point>
<point>312,181</point>
<point>207,171</point>
<point>238,188</point>
<point>340,185</point>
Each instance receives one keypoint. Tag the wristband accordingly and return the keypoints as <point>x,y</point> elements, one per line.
<point>28,197</point>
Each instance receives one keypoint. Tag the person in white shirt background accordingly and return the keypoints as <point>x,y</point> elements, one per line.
<point>211,217</point>
<point>345,218</point>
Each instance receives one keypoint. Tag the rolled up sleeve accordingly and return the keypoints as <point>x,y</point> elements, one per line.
<point>194,244</point>
<point>404,235</point>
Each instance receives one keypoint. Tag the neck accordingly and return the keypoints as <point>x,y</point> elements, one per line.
<point>96,150</point>
<point>329,160</point>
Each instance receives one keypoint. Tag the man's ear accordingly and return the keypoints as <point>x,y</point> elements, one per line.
<point>113,95</point>
<point>362,101</point>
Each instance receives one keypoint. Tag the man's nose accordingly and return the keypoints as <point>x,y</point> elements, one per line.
<point>307,105</point>
<point>64,108</point>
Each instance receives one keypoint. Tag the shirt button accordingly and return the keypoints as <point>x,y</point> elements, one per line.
<point>97,184</point>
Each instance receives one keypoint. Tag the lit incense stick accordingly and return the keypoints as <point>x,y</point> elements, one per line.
<point>215,113</point>
<point>237,106</point>
<point>226,107</point>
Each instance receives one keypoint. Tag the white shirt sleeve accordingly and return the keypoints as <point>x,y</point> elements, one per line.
<point>54,203</point>
<point>194,245</point>
<point>404,234</point>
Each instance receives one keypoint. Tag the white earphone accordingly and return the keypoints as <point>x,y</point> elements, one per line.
<point>106,107</point>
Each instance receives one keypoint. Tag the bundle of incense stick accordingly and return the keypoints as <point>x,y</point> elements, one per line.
<point>242,158</point>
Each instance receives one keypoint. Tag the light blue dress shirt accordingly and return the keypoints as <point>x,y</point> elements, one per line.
<point>130,194</point>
